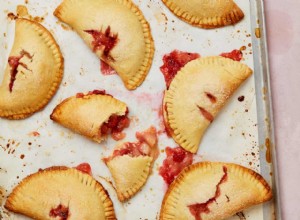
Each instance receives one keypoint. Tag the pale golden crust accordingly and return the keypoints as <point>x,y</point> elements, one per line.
<point>188,105</point>
<point>45,68</point>
<point>124,19</point>
<point>206,14</point>
<point>130,174</point>
<point>87,114</point>
<point>197,184</point>
<point>45,190</point>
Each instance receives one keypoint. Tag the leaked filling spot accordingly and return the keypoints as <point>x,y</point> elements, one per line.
<point>235,55</point>
<point>211,97</point>
<point>14,62</point>
<point>199,208</point>
<point>103,41</point>
<point>177,159</point>
<point>60,211</point>
<point>107,69</point>
<point>85,168</point>
<point>206,114</point>
<point>94,92</point>
<point>173,62</point>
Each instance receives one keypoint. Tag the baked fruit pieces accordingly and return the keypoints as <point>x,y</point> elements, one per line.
<point>61,193</point>
<point>213,191</point>
<point>94,115</point>
<point>33,73</point>
<point>196,95</point>
<point>206,14</point>
<point>116,31</point>
<point>131,163</point>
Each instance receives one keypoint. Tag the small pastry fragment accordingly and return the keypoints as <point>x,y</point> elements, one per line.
<point>131,163</point>
<point>117,31</point>
<point>94,115</point>
<point>33,73</point>
<point>61,193</point>
<point>213,191</point>
<point>196,95</point>
<point>206,14</point>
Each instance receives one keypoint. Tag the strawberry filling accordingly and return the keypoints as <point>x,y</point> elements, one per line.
<point>85,168</point>
<point>173,62</point>
<point>107,69</point>
<point>60,211</point>
<point>236,55</point>
<point>177,159</point>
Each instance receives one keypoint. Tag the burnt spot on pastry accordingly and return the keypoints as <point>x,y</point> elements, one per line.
<point>211,97</point>
<point>199,208</point>
<point>104,41</point>
<point>208,116</point>
<point>241,98</point>
<point>60,211</point>
<point>14,62</point>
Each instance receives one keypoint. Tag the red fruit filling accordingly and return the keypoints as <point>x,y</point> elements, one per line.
<point>173,62</point>
<point>236,55</point>
<point>60,211</point>
<point>85,168</point>
<point>177,159</point>
<point>199,208</point>
<point>14,62</point>
<point>94,92</point>
<point>107,69</point>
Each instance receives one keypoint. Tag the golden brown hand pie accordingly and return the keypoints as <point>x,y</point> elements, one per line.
<point>116,31</point>
<point>33,73</point>
<point>61,193</point>
<point>196,95</point>
<point>213,191</point>
<point>131,163</point>
<point>206,14</point>
<point>94,115</point>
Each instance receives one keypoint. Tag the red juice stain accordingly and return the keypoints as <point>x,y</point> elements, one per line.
<point>235,55</point>
<point>107,69</point>
<point>85,168</point>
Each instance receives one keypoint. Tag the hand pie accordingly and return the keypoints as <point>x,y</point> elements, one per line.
<point>196,95</point>
<point>206,14</point>
<point>131,163</point>
<point>94,115</point>
<point>61,193</point>
<point>116,31</point>
<point>213,191</point>
<point>33,72</point>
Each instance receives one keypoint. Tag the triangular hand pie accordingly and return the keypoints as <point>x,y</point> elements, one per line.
<point>61,193</point>
<point>94,115</point>
<point>196,95</point>
<point>131,163</point>
<point>213,191</point>
<point>206,14</point>
<point>33,73</point>
<point>116,31</point>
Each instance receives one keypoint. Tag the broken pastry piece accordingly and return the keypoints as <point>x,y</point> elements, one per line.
<point>131,163</point>
<point>213,191</point>
<point>94,115</point>
<point>116,31</point>
<point>61,193</point>
<point>197,94</point>
<point>206,14</point>
<point>33,73</point>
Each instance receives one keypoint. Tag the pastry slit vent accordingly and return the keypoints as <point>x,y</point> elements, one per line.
<point>211,97</point>
<point>199,208</point>
<point>104,41</point>
<point>206,114</point>
<point>60,211</point>
<point>14,62</point>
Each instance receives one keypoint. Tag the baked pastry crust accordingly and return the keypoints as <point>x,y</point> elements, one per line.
<point>86,115</point>
<point>196,95</point>
<point>132,54</point>
<point>41,63</point>
<point>223,189</point>
<point>206,14</point>
<point>80,194</point>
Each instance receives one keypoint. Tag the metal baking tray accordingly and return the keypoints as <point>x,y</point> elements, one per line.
<point>242,133</point>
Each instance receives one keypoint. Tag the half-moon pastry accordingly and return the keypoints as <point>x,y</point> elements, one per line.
<point>131,163</point>
<point>33,72</point>
<point>116,31</point>
<point>61,193</point>
<point>94,115</point>
<point>196,94</point>
<point>206,14</point>
<point>213,191</point>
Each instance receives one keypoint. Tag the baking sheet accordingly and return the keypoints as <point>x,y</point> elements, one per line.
<point>238,134</point>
